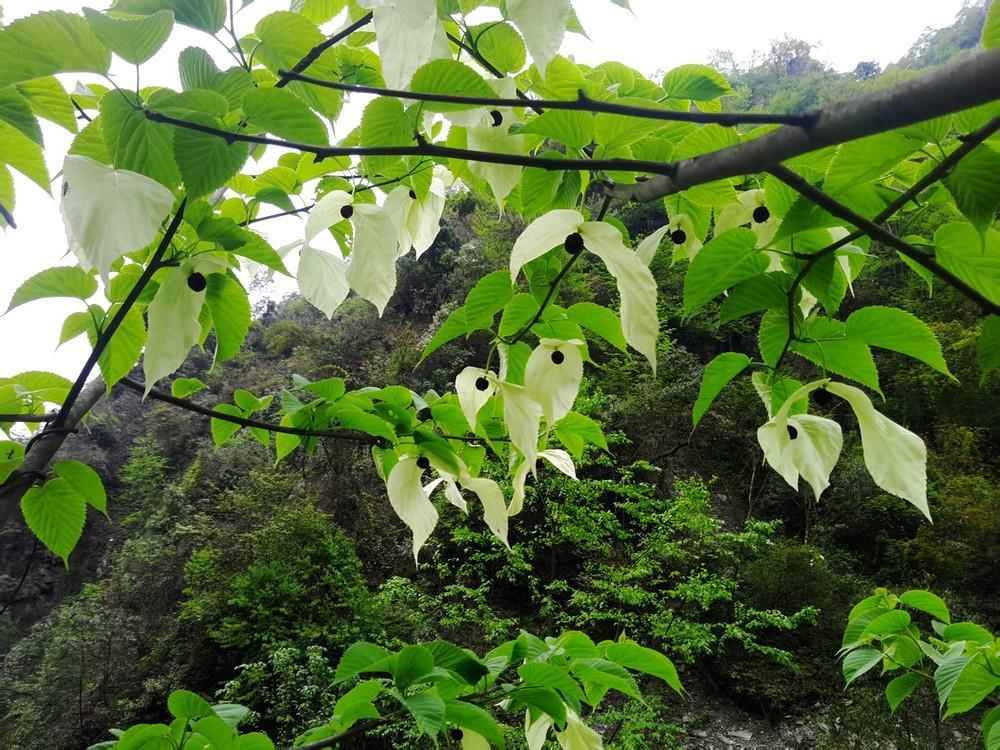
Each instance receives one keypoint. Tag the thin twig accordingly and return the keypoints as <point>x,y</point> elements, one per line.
<point>883,235</point>
<point>582,103</point>
<point>313,54</point>
<point>28,418</point>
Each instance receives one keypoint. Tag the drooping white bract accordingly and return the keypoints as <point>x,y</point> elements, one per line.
<point>542,24</point>
<point>894,456</point>
<point>552,376</point>
<point>322,279</point>
<point>407,32</point>
<point>472,398</point>
<point>417,222</point>
<point>109,212</point>
<point>801,444</point>
<point>650,244</point>
<point>692,244</point>
<point>173,324</point>
<point>371,269</point>
<point>410,501</point>
<point>502,178</point>
<point>488,492</point>
<point>555,456</point>
<point>535,732</point>
<point>636,284</point>
<point>522,417</point>
<point>740,213</point>
<point>577,735</point>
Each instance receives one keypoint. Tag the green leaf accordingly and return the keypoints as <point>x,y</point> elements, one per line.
<point>866,159</point>
<point>899,331</point>
<point>204,15</point>
<point>599,320</point>
<point>575,432</point>
<point>717,375</point>
<point>24,155</point>
<point>828,345</point>
<point>231,713</point>
<point>927,602</point>
<point>55,513</point>
<point>725,261</point>
<point>134,40</point>
<point>991,34</point>
<point>358,657</point>
<point>15,110</point>
<point>428,710</point>
<point>85,482</point>
<point>384,123</point>
<point>136,143</point>
<point>545,674</point>
<point>451,78</point>
<point>601,675</point>
<point>974,259</point>
<point>222,429</point>
<point>973,685</point>
<point>899,688</point>
<point>949,669</point>
<point>474,718</point>
<point>230,308</point>
<point>501,45</point>
<point>46,43</point>
<point>974,186</point>
<point>197,69</point>
<point>184,387</point>
<point>893,621</point>
<point>62,281</point>
<point>122,352</point>
<point>11,457</point>
<point>545,700</point>
<point>768,291</point>
<point>575,129</point>
<point>698,82</point>
<point>454,659</point>
<point>859,661</point>
<point>280,112</point>
<point>49,99</point>
<point>988,347</point>
<point>206,161</point>
<point>183,704</point>
<point>412,665</point>
<point>642,659</point>
<point>967,631</point>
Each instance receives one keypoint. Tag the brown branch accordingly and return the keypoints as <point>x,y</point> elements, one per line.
<point>582,103</point>
<point>29,418</point>
<point>969,142</point>
<point>967,83</point>
<point>883,235</point>
<point>423,148</point>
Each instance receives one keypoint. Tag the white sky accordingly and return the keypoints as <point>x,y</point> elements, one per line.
<point>658,36</point>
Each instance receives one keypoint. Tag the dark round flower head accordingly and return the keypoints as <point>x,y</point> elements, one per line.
<point>558,357</point>
<point>573,243</point>
<point>482,384</point>
<point>497,118</point>
<point>423,462</point>
<point>347,212</point>
<point>413,195</point>
<point>761,214</point>
<point>197,282</point>
<point>792,432</point>
<point>678,236</point>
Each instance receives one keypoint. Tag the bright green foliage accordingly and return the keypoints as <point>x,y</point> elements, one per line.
<point>958,660</point>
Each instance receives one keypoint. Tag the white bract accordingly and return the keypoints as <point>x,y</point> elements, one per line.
<point>691,244</point>
<point>648,247</point>
<point>410,501</point>
<point>636,285</point>
<point>577,735</point>
<point>109,212</point>
<point>559,458</point>
<point>522,417</point>
<point>173,324</point>
<point>471,397</point>
<point>542,24</point>
<point>408,33</point>
<point>801,444</point>
<point>417,222</point>
<point>552,376</point>
<point>740,213</point>
<point>371,269</point>
<point>488,492</point>
<point>895,457</point>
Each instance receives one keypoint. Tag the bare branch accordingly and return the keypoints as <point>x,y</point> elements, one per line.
<point>313,54</point>
<point>582,103</point>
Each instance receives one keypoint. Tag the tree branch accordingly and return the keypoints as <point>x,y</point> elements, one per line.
<point>883,235</point>
<point>969,142</point>
<point>967,83</point>
<point>422,148</point>
<point>582,103</point>
<point>313,54</point>
<point>28,418</point>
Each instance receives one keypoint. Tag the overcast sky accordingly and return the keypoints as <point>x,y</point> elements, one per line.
<point>657,36</point>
